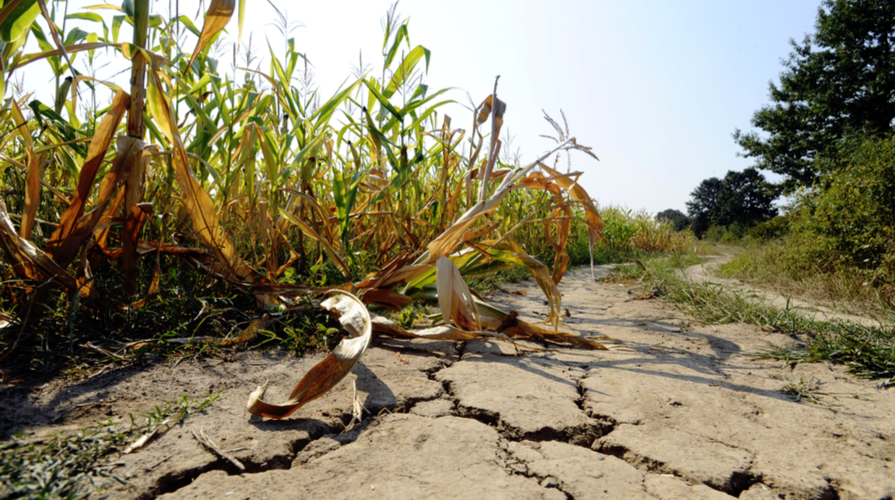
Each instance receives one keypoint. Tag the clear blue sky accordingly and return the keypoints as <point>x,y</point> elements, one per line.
<point>655,87</point>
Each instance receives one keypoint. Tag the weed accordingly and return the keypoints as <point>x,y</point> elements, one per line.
<point>805,389</point>
<point>71,465</point>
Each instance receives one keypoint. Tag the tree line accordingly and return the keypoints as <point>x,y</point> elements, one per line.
<point>833,106</point>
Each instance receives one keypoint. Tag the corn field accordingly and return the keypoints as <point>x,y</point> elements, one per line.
<point>263,187</point>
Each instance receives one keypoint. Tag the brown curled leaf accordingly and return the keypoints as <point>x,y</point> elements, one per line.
<point>328,373</point>
<point>592,216</point>
<point>27,258</point>
<point>454,298</point>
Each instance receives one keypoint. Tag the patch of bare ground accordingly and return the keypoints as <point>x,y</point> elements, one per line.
<point>681,412</point>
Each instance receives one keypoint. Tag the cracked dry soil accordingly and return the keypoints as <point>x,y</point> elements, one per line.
<point>683,413</point>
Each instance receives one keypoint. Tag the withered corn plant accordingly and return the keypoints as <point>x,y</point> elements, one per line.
<point>263,186</point>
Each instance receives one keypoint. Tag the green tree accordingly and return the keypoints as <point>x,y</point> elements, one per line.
<point>741,198</point>
<point>676,218</point>
<point>837,83</point>
<point>703,201</point>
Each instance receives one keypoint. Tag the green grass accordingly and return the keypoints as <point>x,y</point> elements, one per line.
<point>71,465</point>
<point>867,351</point>
<point>774,265</point>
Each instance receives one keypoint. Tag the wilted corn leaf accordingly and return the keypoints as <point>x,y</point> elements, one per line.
<point>563,228</point>
<point>324,375</point>
<point>252,331</point>
<point>538,180</point>
<point>218,15</point>
<point>74,230</point>
<point>32,193</point>
<point>509,251</point>
<point>144,247</point>
<point>454,298</point>
<point>485,110</point>
<point>30,58</point>
<point>32,181</point>
<point>444,332</point>
<point>447,241</point>
<point>96,152</point>
<point>197,202</point>
<point>325,243</point>
<point>26,257</point>
<point>497,320</point>
<point>592,216</point>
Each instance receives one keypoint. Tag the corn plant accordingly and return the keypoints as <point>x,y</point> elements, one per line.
<point>264,186</point>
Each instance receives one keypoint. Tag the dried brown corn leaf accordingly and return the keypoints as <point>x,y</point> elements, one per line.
<point>386,298</point>
<point>27,257</point>
<point>592,216</point>
<point>75,227</point>
<point>325,375</point>
<point>202,211</point>
<point>218,15</point>
<point>454,298</point>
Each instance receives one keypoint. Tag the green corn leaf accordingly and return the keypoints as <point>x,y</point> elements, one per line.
<point>326,111</point>
<point>87,16</point>
<point>406,69</point>
<point>189,25</point>
<point>116,27</point>
<point>393,51</point>
<point>383,101</point>
<point>16,18</point>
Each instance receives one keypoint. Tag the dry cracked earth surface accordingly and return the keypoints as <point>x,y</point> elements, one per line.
<point>684,412</point>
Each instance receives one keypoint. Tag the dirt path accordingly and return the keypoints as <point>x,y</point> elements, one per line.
<point>682,413</point>
<point>707,272</point>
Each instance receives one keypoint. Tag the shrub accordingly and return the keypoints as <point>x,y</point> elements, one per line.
<point>770,230</point>
<point>849,219</point>
<point>726,234</point>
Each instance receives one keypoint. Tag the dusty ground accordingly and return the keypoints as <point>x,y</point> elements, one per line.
<point>684,413</point>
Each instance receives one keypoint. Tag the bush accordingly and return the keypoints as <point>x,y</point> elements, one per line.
<point>726,234</point>
<point>838,239</point>
<point>770,230</point>
<point>849,219</point>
